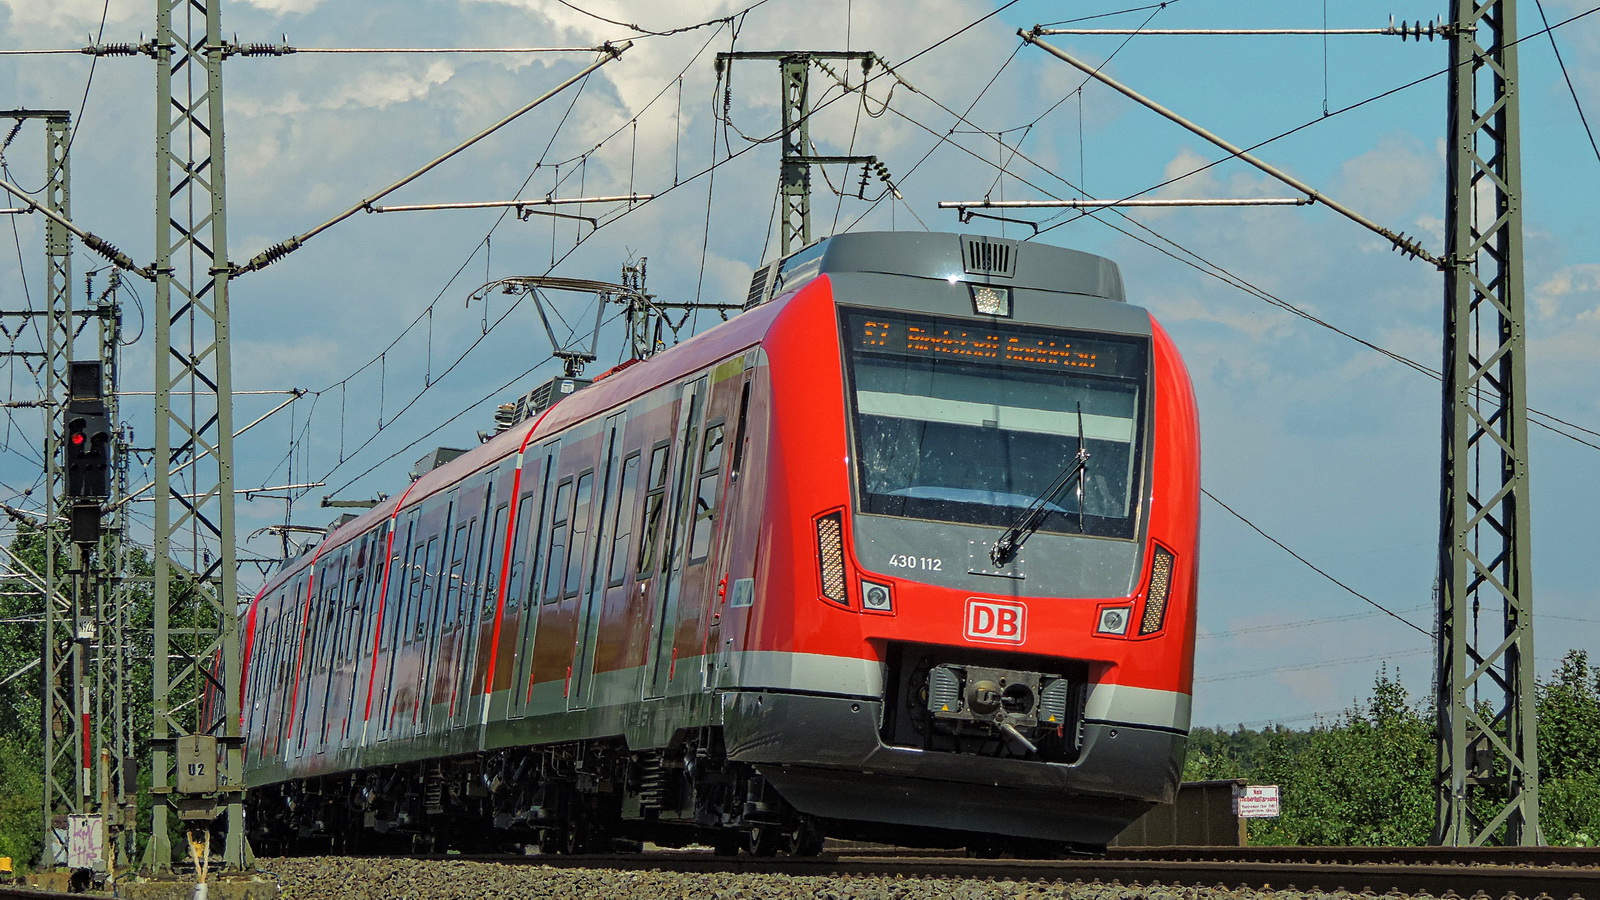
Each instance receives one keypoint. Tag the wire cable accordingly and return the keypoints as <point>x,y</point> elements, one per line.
<point>1312,566</point>
<point>1538,417</point>
<point>641,31</point>
<point>1539,4</point>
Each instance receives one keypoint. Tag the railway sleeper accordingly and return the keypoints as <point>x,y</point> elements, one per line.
<point>578,797</point>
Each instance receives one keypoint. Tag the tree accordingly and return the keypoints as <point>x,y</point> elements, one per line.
<point>21,642</point>
<point>1568,711</point>
<point>1362,780</point>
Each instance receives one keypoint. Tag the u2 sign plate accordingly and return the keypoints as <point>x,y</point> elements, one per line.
<point>996,621</point>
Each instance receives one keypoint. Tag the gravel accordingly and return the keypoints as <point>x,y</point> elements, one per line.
<point>310,878</point>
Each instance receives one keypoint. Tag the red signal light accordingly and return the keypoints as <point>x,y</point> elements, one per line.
<point>77,439</point>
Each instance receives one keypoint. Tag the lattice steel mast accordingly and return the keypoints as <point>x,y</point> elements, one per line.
<point>794,68</point>
<point>196,600</point>
<point>62,662</point>
<point>1488,763</point>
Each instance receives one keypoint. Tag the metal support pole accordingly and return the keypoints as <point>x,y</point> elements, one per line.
<point>62,659</point>
<point>1488,773</point>
<point>113,715</point>
<point>196,597</point>
<point>795,180</point>
<point>794,183</point>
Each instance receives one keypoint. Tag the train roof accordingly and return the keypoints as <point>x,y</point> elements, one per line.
<point>945,256</point>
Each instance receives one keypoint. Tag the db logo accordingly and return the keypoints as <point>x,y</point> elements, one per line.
<point>996,621</point>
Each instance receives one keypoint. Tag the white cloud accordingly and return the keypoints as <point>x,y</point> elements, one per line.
<point>285,7</point>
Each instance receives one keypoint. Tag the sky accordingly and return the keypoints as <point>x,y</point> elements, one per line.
<point>1324,444</point>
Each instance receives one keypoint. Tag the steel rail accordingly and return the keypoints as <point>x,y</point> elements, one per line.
<point>1465,878</point>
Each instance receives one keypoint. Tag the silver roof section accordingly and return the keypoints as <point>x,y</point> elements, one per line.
<point>951,257</point>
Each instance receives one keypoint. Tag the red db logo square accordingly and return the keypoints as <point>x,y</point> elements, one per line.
<point>996,621</point>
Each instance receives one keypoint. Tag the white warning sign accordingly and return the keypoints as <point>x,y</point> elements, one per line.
<point>1256,801</point>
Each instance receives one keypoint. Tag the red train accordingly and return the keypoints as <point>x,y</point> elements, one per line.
<point>906,551</point>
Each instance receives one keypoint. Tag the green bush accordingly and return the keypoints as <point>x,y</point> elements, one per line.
<point>21,799</point>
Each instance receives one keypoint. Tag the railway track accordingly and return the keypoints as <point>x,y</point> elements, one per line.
<point>1556,873</point>
<point>1430,870</point>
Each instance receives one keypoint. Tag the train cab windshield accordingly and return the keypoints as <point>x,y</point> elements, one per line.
<point>971,422</point>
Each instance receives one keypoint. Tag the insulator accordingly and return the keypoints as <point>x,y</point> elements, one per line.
<point>117,49</point>
<point>107,249</point>
<point>257,49</point>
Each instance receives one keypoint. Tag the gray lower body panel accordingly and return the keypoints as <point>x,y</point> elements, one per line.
<point>825,756</point>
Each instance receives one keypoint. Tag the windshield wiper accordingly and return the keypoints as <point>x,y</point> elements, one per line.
<point>1012,538</point>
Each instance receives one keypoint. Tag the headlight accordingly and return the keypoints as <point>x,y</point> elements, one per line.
<point>876,597</point>
<point>1114,620</point>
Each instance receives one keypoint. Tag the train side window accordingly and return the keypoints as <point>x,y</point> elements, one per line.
<point>555,567</point>
<point>580,532</point>
<point>705,501</point>
<point>622,527</point>
<point>654,498</point>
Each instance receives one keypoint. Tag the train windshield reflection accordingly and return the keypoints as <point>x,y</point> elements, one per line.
<point>963,422</point>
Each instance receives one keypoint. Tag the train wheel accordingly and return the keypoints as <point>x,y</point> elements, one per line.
<point>764,840</point>
<point>807,837</point>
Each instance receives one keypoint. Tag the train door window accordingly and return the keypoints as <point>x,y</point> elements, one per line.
<point>654,498</point>
<point>454,586</point>
<point>537,503</point>
<point>427,573</point>
<point>297,680</point>
<point>391,622</point>
<point>622,521</point>
<point>495,545</point>
<point>519,539</point>
<point>580,532</point>
<point>691,435</point>
<point>556,553</point>
<point>705,501</point>
<point>356,579</point>
<point>741,435</point>
<point>471,576</point>
<point>413,604</point>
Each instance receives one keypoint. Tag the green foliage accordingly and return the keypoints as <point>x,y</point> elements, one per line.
<point>1362,781</point>
<point>1217,754</point>
<point>21,793</point>
<point>21,707</point>
<point>21,742</point>
<point>1367,778</point>
<point>1569,753</point>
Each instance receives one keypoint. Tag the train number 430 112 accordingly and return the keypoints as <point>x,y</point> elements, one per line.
<point>925,563</point>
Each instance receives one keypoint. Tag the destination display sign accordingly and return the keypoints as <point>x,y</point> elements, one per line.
<point>1033,348</point>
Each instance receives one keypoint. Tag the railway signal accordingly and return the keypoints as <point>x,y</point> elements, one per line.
<point>86,450</point>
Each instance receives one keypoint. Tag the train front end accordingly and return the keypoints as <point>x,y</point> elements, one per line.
<point>976,611</point>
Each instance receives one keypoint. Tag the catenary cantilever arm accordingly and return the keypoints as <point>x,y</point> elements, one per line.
<point>279,250</point>
<point>1405,244</point>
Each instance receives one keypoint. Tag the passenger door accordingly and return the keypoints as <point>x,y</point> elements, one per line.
<point>592,579</point>
<point>668,587</point>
